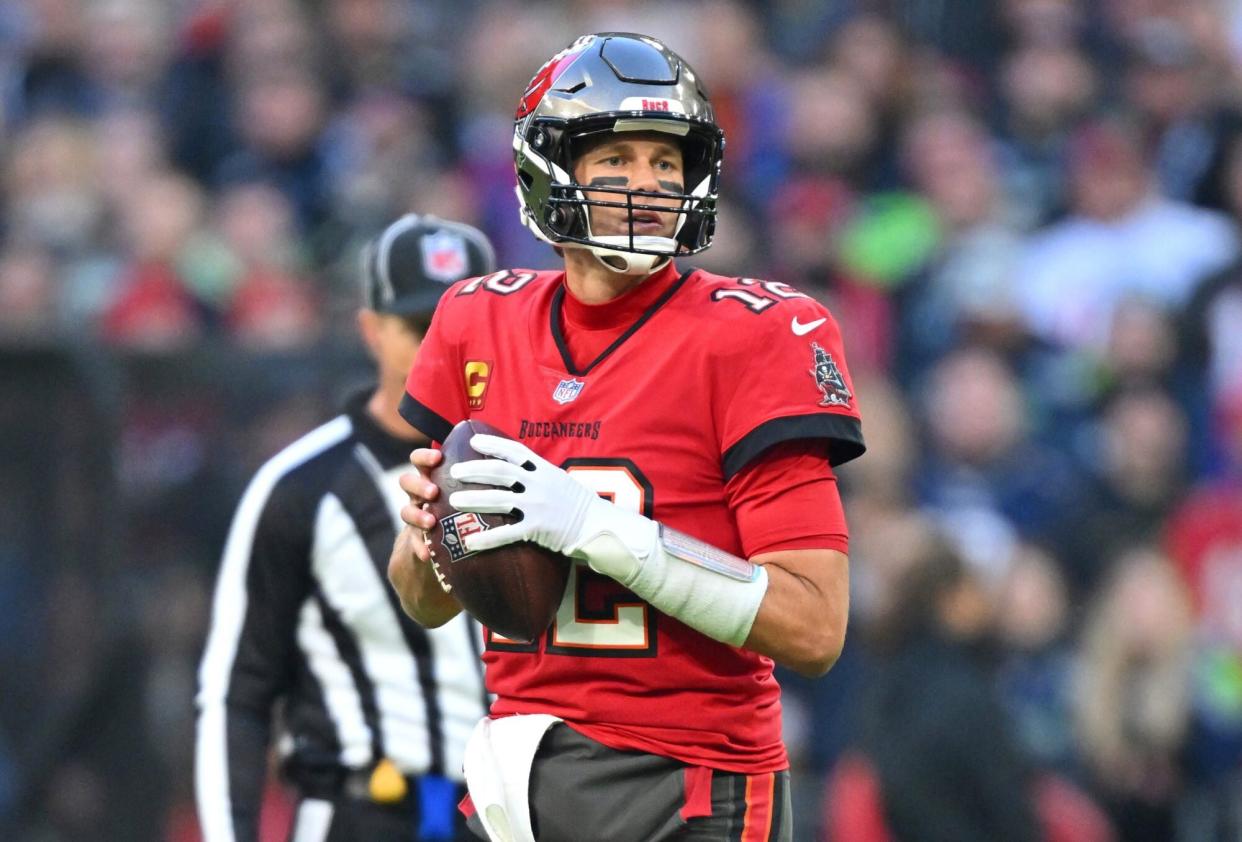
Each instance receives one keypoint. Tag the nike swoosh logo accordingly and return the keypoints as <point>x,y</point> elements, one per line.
<point>800,329</point>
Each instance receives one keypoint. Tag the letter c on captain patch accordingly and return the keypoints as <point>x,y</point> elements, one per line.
<point>478,376</point>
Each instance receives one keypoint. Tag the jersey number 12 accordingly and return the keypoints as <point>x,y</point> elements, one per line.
<point>595,618</point>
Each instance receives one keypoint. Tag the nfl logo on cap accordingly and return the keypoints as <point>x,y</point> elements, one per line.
<point>408,267</point>
<point>444,256</point>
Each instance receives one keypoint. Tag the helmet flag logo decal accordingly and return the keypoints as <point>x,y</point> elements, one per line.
<point>549,73</point>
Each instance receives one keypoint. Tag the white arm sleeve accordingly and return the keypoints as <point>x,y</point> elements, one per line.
<point>706,588</point>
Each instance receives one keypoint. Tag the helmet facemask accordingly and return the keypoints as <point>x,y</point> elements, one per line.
<point>557,208</point>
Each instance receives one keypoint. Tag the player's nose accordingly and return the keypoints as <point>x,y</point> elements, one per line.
<point>644,176</point>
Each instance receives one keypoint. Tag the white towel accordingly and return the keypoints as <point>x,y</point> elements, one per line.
<point>497,765</point>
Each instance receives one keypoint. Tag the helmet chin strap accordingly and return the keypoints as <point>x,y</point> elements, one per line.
<point>628,263</point>
<point>608,251</point>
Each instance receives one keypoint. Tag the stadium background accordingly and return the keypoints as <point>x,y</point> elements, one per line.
<point>1024,214</point>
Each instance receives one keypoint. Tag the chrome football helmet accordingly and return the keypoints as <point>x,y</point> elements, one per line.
<point>615,82</point>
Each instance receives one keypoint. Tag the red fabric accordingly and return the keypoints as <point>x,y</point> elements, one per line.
<point>698,783</point>
<point>788,500</point>
<point>1068,815</point>
<point>207,28</point>
<point>590,328</point>
<point>153,308</point>
<point>273,308</point>
<point>866,313</point>
<point>1204,538</point>
<point>275,817</point>
<point>650,426</point>
<point>853,805</point>
<point>757,824</point>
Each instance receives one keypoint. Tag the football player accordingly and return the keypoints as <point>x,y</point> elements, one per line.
<point>675,433</point>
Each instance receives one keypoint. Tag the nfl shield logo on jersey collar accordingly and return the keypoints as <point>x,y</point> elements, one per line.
<point>567,390</point>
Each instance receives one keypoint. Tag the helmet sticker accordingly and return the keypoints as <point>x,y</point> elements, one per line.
<point>642,103</point>
<point>549,73</point>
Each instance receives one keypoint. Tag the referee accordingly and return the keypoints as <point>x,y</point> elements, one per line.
<point>375,709</point>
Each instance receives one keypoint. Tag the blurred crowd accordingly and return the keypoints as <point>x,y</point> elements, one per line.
<point>1025,214</point>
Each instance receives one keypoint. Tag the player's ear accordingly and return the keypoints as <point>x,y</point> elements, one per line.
<point>368,329</point>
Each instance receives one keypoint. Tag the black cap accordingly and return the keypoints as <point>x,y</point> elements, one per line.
<point>413,261</point>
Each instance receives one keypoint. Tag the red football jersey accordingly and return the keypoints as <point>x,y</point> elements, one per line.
<point>711,373</point>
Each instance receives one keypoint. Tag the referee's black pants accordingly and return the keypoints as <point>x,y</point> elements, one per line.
<point>344,817</point>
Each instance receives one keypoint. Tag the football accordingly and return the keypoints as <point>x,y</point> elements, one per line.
<point>514,590</point>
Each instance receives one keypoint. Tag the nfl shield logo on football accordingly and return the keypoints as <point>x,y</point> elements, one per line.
<point>444,256</point>
<point>456,527</point>
<point>567,390</point>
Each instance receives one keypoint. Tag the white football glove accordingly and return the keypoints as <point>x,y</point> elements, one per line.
<point>707,589</point>
<point>558,512</point>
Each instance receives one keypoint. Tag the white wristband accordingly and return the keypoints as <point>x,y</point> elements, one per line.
<point>711,591</point>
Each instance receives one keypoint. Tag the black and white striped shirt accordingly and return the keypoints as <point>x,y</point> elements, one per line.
<point>304,614</point>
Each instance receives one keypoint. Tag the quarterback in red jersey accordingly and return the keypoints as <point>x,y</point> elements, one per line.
<point>674,432</point>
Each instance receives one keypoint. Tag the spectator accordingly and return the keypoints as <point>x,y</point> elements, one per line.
<point>1133,710</point>
<point>881,487</point>
<point>963,291</point>
<point>949,770</point>
<point>129,149</point>
<point>1043,22</point>
<point>377,145</point>
<point>1205,542</point>
<point>1044,89</point>
<point>1036,670</point>
<point>743,80</point>
<point>1136,479</point>
<point>1204,538</point>
<point>154,306</point>
<point>126,49</point>
<point>831,126</point>
<point>1211,347</point>
<point>280,114</point>
<point>28,295</point>
<point>271,304</point>
<point>983,473</point>
<point>871,50</point>
<point>1120,240</point>
<point>50,78</point>
<point>368,44</point>
<point>197,97</point>
<point>1172,85</point>
<point>51,186</point>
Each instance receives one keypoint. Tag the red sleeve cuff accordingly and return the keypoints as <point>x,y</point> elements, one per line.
<point>787,499</point>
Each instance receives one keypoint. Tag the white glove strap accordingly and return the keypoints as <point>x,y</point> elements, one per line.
<point>675,573</point>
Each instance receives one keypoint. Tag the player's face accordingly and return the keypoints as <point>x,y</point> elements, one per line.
<point>638,162</point>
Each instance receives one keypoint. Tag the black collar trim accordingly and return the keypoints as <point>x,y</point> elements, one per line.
<point>558,336</point>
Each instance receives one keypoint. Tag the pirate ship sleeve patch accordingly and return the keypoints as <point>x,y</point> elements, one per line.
<point>793,383</point>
